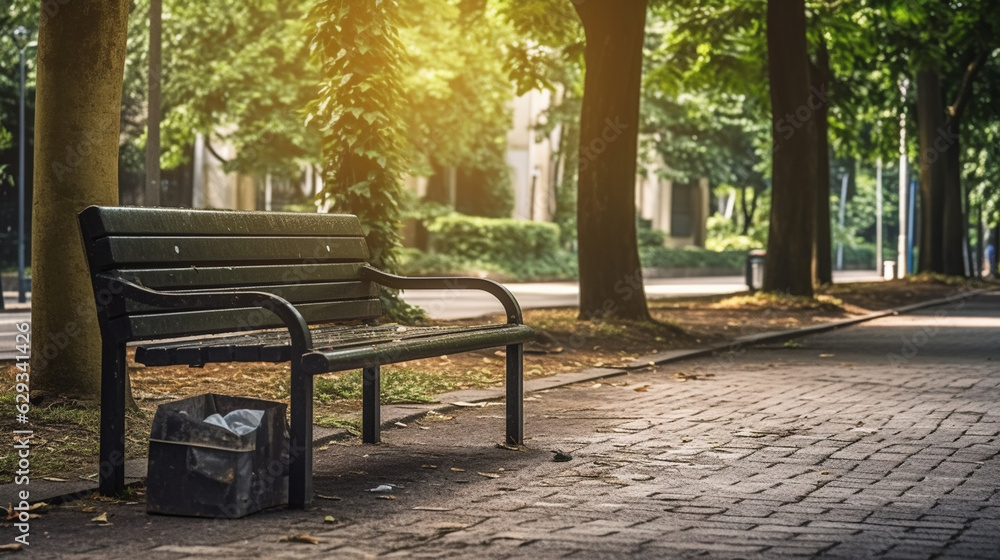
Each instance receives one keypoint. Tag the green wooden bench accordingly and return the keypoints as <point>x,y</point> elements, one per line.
<point>269,287</point>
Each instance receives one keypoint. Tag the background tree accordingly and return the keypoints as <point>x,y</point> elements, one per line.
<point>81,55</point>
<point>789,266</point>
<point>610,272</point>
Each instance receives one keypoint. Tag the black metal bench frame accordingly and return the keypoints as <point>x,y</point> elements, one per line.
<point>126,246</point>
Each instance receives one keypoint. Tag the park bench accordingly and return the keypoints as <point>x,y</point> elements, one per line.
<point>194,287</point>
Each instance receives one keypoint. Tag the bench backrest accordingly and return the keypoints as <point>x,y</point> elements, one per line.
<point>311,260</point>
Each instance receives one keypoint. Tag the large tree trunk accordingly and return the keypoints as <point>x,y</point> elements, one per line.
<point>932,170</point>
<point>789,264</point>
<point>610,273</point>
<point>81,58</point>
<point>820,77</point>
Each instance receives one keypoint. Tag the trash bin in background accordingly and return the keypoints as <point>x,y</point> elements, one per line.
<point>755,269</point>
<point>203,469</point>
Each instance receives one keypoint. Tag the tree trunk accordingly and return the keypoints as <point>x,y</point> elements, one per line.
<point>932,170</point>
<point>789,264</point>
<point>953,219</point>
<point>820,77</point>
<point>610,272</point>
<point>81,58</point>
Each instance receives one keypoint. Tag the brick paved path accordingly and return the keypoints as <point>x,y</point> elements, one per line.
<point>874,441</point>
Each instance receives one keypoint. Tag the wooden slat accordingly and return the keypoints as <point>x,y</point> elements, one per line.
<point>273,346</point>
<point>355,357</point>
<point>293,293</point>
<point>102,221</point>
<point>167,325</point>
<point>123,252</point>
<point>194,277</point>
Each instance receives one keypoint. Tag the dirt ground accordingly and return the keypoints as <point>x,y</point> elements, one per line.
<point>68,444</point>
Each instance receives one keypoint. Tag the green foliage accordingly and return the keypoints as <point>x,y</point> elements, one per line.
<point>399,386</point>
<point>690,257</point>
<point>237,72</point>
<point>457,95</point>
<point>504,248</point>
<point>359,114</point>
<point>504,240</point>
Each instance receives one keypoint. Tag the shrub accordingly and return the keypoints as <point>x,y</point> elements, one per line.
<point>501,240</point>
<point>691,257</point>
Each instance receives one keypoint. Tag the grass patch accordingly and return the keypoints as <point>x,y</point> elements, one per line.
<point>352,425</point>
<point>399,386</point>
<point>66,438</point>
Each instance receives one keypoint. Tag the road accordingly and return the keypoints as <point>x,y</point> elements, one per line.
<point>444,304</point>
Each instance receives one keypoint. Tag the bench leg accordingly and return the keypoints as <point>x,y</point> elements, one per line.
<point>112,455</point>
<point>300,447</point>
<point>515,394</point>
<point>371,417</point>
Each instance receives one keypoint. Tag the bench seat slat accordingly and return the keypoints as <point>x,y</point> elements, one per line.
<point>272,346</point>
<point>369,355</point>
<point>101,222</point>
<point>188,323</point>
<point>194,277</point>
<point>125,252</point>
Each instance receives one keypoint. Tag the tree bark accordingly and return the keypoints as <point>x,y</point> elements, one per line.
<point>81,58</point>
<point>789,265</point>
<point>610,273</point>
<point>932,169</point>
<point>820,77</point>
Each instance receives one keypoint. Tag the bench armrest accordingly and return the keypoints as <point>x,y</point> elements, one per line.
<point>497,290</point>
<point>298,329</point>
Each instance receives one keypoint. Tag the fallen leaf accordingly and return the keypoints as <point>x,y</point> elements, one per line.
<point>385,497</point>
<point>826,355</point>
<point>324,497</point>
<point>426,466</point>
<point>641,389</point>
<point>103,518</point>
<point>792,344</point>
<point>54,479</point>
<point>400,424</point>
<point>424,428</point>
<point>329,519</point>
<point>11,547</point>
<point>686,440</point>
<point>304,539</point>
<point>449,527</point>
<point>510,447</point>
<point>38,506</point>
<point>90,509</point>
<point>824,472</point>
<point>859,424</point>
<point>488,474</point>
<point>324,448</point>
<point>456,469</point>
<point>595,386</point>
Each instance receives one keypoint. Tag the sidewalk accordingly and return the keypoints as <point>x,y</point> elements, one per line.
<point>879,440</point>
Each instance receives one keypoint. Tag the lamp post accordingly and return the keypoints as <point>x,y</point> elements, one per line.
<point>902,243</point>
<point>21,37</point>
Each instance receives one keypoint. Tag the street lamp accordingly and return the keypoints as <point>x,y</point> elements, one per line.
<point>902,242</point>
<point>21,36</point>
